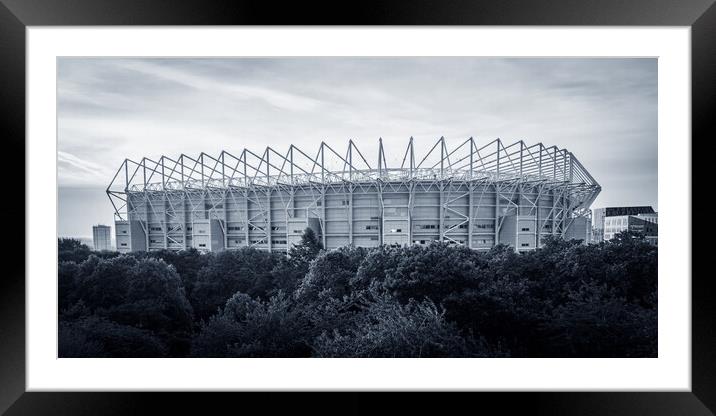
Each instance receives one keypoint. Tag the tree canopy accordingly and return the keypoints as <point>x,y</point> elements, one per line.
<point>565,299</point>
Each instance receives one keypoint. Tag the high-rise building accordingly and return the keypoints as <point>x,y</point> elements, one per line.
<point>474,195</point>
<point>612,220</point>
<point>102,237</point>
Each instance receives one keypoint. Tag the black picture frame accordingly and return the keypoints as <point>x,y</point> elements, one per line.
<point>16,15</point>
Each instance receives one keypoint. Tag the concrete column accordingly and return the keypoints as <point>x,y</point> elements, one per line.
<point>165,226</point>
<point>517,219</point>
<point>382,213</point>
<point>186,222</point>
<point>246,217</point>
<point>497,213</point>
<point>269,231</point>
<point>226,219</point>
<point>323,214</point>
<point>350,215</point>
<point>411,202</point>
<point>470,213</point>
<point>538,226</point>
<point>441,212</point>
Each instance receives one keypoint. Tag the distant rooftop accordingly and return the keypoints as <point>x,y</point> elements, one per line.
<point>618,211</point>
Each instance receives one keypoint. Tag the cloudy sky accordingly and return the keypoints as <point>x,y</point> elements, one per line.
<point>603,110</point>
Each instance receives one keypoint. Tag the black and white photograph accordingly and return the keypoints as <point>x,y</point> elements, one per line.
<point>247,198</point>
<point>357,207</point>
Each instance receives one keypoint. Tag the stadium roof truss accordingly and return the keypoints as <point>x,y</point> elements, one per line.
<point>214,179</point>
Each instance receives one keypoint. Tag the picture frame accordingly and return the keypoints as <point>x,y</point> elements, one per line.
<point>16,15</point>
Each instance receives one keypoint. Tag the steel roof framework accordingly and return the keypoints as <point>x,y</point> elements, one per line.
<point>513,169</point>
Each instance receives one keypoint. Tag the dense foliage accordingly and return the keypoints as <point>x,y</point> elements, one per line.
<point>563,300</point>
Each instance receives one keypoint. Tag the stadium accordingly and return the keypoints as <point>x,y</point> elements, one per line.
<point>473,195</point>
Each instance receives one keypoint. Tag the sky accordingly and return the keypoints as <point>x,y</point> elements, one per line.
<point>603,110</point>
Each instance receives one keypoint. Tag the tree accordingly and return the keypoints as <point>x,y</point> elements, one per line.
<point>291,269</point>
<point>93,336</point>
<point>377,264</point>
<point>563,300</point>
<point>249,328</point>
<point>307,249</point>
<point>69,249</point>
<point>187,263</point>
<point>67,272</point>
<point>145,294</point>
<point>596,322</point>
<point>391,329</point>
<point>434,271</point>
<point>330,273</point>
<point>631,255</point>
<point>246,270</point>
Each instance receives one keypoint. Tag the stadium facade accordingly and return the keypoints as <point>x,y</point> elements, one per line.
<point>473,195</point>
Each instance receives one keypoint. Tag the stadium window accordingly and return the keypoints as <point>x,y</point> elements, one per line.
<point>525,229</point>
<point>123,244</point>
<point>202,245</point>
<point>525,244</point>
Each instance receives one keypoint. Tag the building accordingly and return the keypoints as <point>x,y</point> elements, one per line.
<point>613,220</point>
<point>652,217</point>
<point>102,237</point>
<point>473,195</point>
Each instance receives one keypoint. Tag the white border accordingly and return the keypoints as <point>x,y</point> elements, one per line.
<point>671,371</point>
